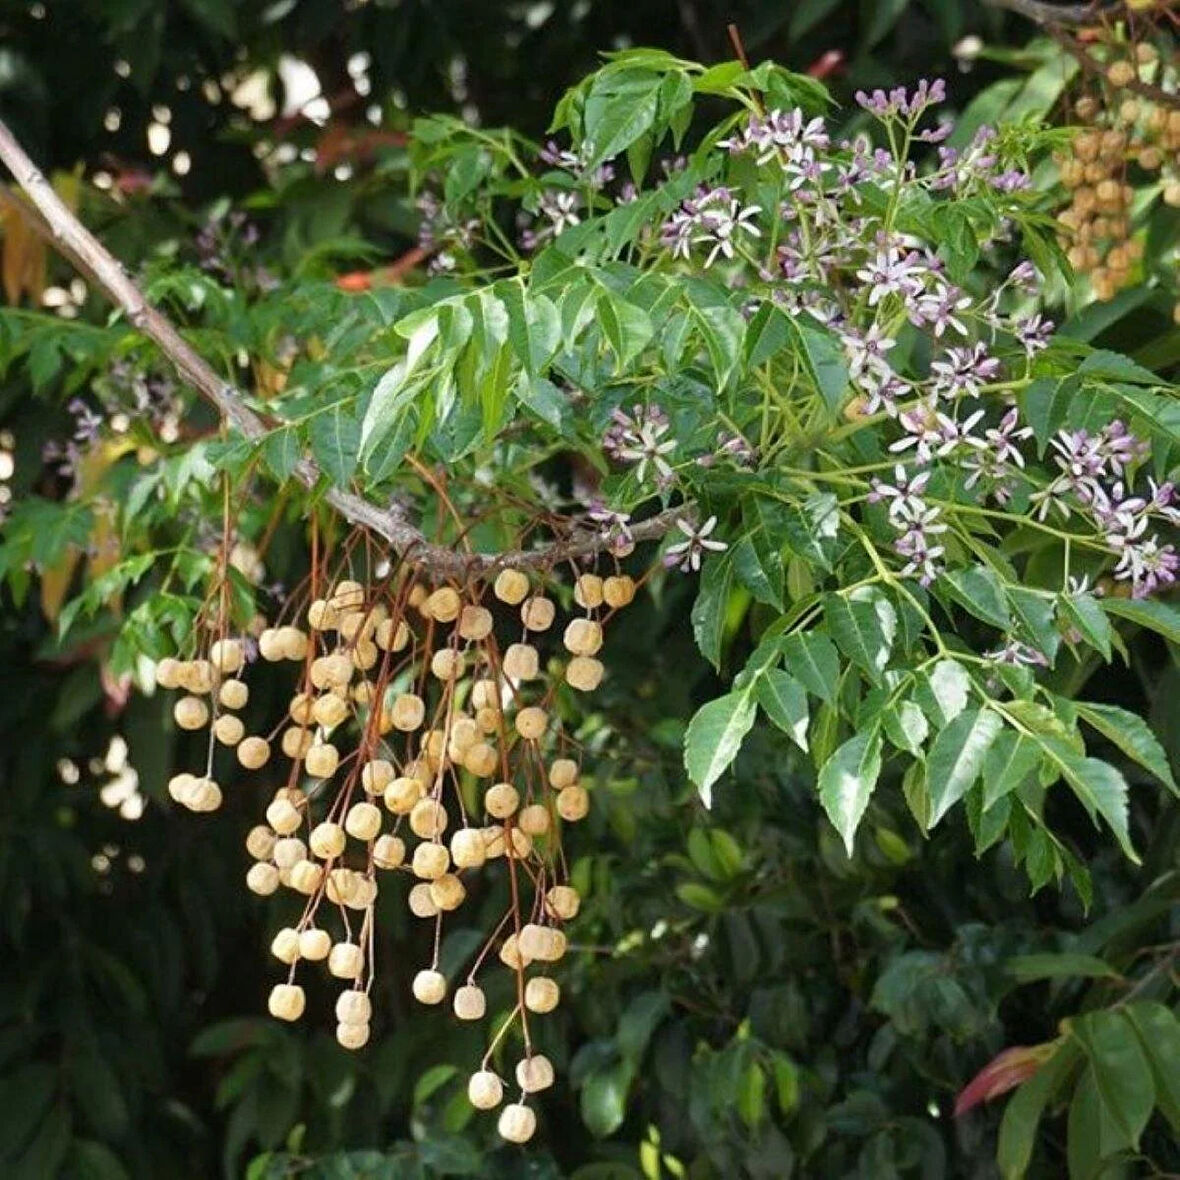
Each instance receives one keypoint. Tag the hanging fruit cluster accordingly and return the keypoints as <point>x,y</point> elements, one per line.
<point>1129,142</point>
<point>414,744</point>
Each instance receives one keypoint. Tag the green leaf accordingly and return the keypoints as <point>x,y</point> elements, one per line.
<point>1113,366</point>
<point>627,328</point>
<point>847,780</point>
<point>1009,762</point>
<point>1084,613</point>
<point>943,691</point>
<point>721,328</point>
<point>767,335</point>
<point>764,583</point>
<point>1035,614</point>
<point>335,442</point>
<point>392,396</point>
<point>604,1098</point>
<point>906,726</point>
<point>785,702</point>
<point>713,738</point>
<point>1084,1130</point>
<point>812,659</point>
<point>1100,787</point>
<point>91,1160</point>
<point>1022,1116</point>
<point>281,451</point>
<point>1147,612</point>
<point>957,756</point>
<point>1029,968</point>
<point>863,629</point>
<point>1159,1035</point>
<point>1045,403</point>
<point>620,107</point>
<point>1131,734</point>
<point>980,591</point>
<point>824,360</point>
<point>708,611</point>
<point>1122,1075</point>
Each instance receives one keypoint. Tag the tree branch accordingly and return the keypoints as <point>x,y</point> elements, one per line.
<point>1043,12</point>
<point>64,231</point>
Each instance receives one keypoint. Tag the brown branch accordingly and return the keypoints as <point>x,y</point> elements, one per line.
<point>1045,13</point>
<point>1091,65</point>
<point>64,231</point>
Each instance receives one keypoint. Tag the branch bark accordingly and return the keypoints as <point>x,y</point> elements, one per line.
<point>65,232</point>
<point>1044,12</point>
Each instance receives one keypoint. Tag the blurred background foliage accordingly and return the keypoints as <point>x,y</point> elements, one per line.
<point>745,1000</point>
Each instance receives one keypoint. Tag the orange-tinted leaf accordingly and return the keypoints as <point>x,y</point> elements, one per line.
<point>1004,1072</point>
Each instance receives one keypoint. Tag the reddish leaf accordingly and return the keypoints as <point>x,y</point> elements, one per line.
<point>1004,1072</point>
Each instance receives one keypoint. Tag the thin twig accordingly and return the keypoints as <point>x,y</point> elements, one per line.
<point>66,233</point>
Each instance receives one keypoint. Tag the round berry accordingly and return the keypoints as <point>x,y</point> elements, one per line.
<point>421,902</point>
<point>447,892</point>
<point>588,591</point>
<point>534,1073</point>
<point>485,1091</point>
<point>228,729</point>
<point>541,994</point>
<point>190,713</point>
<point>262,879</point>
<point>408,712</point>
<point>520,662</point>
<point>430,861</point>
<point>327,840</point>
<point>402,794</point>
<point>468,850</point>
<point>511,586</point>
<point>538,613</point>
<point>517,1124</point>
<point>563,902</point>
<point>430,987</point>
<point>531,722</point>
<point>285,945</point>
<point>363,821</point>
<point>353,1007</point>
<point>501,800</point>
<point>573,803</point>
<point>260,842</point>
<point>314,945</point>
<point>352,1036</point>
<point>253,752</point>
<point>345,960</point>
<point>584,673</point>
<point>321,760</point>
<point>470,1003</point>
<point>388,852</point>
<point>286,1001</point>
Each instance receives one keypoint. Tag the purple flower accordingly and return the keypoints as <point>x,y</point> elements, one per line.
<point>899,102</point>
<point>963,371</point>
<point>891,273</point>
<point>904,494</point>
<point>687,554</point>
<point>1033,333</point>
<point>939,309</point>
<point>613,527</point>
<point>1017,654</point>
<point>639,438</point>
